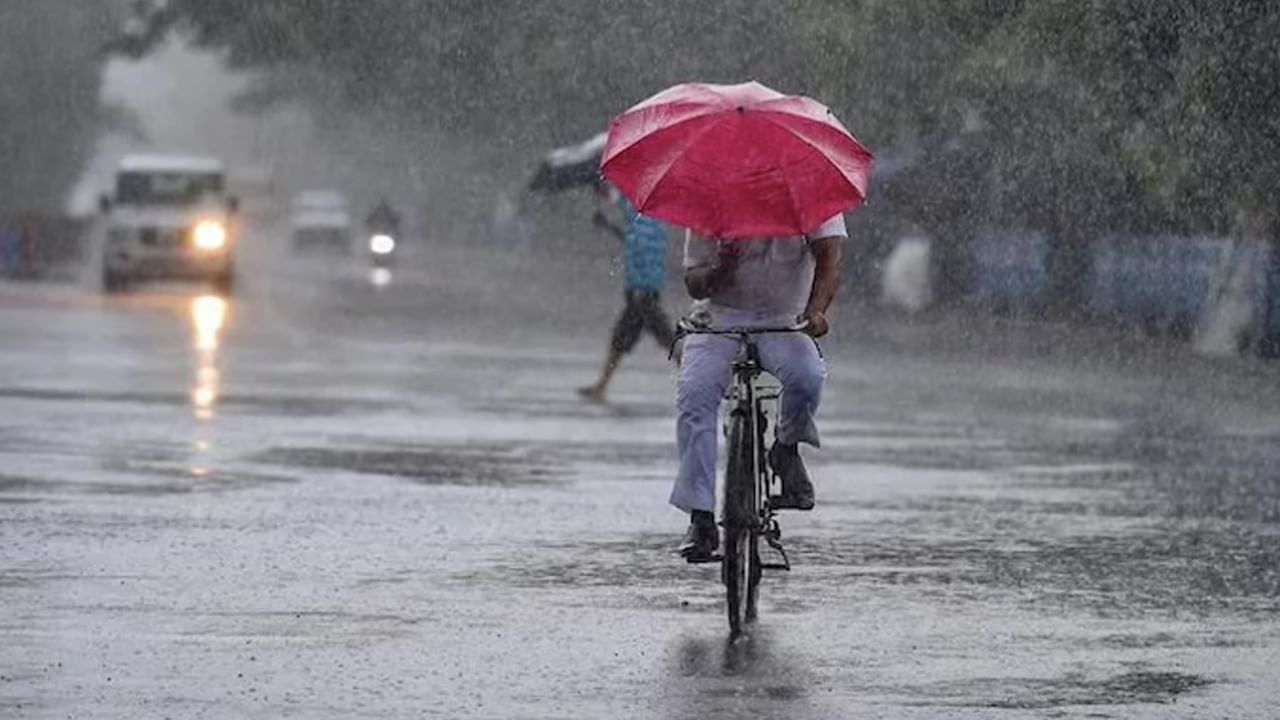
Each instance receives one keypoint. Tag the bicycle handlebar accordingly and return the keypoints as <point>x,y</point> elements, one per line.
<point>686,327</point>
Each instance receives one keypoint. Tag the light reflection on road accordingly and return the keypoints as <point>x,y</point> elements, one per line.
<point>208,316</point>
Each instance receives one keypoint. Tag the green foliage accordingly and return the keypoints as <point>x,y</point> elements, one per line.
<point>507,69</point>
<point>1074,115</point>
<point>1095,114</point>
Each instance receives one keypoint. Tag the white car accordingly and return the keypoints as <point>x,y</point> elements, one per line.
<point>321,222</point>
<point>168,217</point>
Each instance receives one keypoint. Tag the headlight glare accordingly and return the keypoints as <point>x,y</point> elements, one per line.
<point>210,235</point>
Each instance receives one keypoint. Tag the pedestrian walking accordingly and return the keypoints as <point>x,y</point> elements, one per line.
<point>644,259</point>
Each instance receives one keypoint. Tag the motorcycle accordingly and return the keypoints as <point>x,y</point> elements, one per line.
<point>381,249</point>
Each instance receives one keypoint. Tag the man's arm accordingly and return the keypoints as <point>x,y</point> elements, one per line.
<point>600,217</point>
<point>826,281</point>
<point>704,280</point>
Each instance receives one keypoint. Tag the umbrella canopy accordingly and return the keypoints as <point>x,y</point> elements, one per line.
<point>570,166</point>
<point>736,160</point>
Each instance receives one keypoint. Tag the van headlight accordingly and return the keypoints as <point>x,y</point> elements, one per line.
<point>210,235</point>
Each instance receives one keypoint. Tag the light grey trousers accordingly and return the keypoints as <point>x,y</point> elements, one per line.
<point>705,373</point>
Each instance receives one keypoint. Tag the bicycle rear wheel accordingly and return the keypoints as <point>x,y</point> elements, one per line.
<point>740,570</point>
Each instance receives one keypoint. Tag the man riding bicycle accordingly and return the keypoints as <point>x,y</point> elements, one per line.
<point>753,282</point>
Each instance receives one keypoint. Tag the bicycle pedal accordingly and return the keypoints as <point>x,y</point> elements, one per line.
<point>776,544</point>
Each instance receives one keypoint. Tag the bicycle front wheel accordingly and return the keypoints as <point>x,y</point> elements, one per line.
<point>741,557</point>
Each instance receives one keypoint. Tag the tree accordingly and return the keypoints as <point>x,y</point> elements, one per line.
<point>1076,117</point>
<point>509,71</point>
<point>50,65</point>
<point>1091,116</point>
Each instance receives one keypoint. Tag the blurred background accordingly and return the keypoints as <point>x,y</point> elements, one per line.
<point>1105,163</point>
<point>291,321</point>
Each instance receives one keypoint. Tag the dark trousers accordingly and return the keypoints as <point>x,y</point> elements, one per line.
<point>643,311</point>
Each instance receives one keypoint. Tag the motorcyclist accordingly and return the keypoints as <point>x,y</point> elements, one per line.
<point>383,219</point>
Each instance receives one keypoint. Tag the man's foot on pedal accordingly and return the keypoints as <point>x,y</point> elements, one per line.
<point>702,539</point>
<point>594,393</point>
<point>797,489</point>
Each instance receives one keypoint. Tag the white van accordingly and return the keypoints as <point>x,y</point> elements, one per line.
<point>168,217</point>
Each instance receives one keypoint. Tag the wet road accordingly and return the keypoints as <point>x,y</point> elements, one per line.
<point>327,499</point>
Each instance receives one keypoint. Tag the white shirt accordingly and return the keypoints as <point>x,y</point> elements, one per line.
<point>773,279</point>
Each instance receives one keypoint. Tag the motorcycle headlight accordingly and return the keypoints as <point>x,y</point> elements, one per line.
<point>210,235</point>
<point>382,244</point>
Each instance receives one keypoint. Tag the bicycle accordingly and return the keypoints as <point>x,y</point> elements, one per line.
<point>748,479</point>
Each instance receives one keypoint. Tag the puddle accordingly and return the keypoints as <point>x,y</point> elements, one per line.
<point>177,481</point>
<point>285,405</point>
<point>469,465</point>
<point>1130,688</point>
<point>647,560</point>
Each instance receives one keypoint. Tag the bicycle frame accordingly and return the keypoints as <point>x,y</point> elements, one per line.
<point>747,398</point>
<point>748,515</point>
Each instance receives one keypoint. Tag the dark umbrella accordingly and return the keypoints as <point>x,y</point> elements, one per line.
<point>569,167</point>
<point>564,168</point>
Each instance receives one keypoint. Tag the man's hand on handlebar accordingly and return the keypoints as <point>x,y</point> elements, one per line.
<point>815,323</point>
